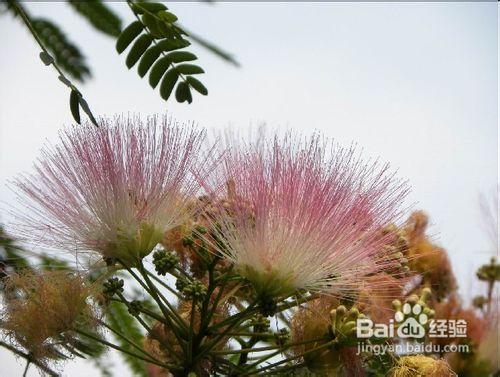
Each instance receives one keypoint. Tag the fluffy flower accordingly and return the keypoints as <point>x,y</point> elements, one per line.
<point>43,308</point>
<point>427,258</point>
<point>114,189</point>
<point>419,365</point>
<point>310,215</point>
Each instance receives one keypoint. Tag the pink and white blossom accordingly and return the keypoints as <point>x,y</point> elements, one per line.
<point>114,189</point>
<point>309,214</point>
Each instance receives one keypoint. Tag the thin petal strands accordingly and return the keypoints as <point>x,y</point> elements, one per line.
<point>44,308</point>
<point>114,189</point>
<point>309,215</point>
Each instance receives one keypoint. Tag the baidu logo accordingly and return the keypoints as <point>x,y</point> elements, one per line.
<point>407,323</point>
<point>411,326</point>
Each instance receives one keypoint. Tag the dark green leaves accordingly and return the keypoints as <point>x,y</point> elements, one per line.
<point>73,104</point>
<point>181,56</point>
<point>142,7</point>
<point>183,93</point>
<point>156,44</point>
<point>99,15</point>
<point>197,85</point>
<point>76,101</point>
<point>140,46</point>
<point>147,60</point>
<point>175,44</point>
<point>65,54</point>
<point>128,35</point>
<point>168,83</point>
<point>189,69</point>
<point>158,70</point>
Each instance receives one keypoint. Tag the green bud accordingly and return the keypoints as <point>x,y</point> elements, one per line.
<point>195,290</point>
<point>188,241</point>
<point>164,261</point>
<point>396,305</point>
<point>113,286</point>
<point>134,307</point>
<point>353,314</point>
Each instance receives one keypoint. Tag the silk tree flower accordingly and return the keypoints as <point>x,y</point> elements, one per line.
<point>114,189</point>
<point>44,308</point>
<point>309,215</point>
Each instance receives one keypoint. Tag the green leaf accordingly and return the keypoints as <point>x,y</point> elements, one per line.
<point>46,58</point>
<point>85,107</point>
<point>140,46</point>
<point>74,105</point>
<point>189,69</point>
<point>167,16</point>
<point>152,54</point>
<point>168,83</point>
<point>65,81</point>
<point>65,53</point>
<point>128,35</point>
<point>142,7</point>
<point>181,56</point>
<point>170,45</point>
<point>148,59</point>
<point>197,85</point>
<point>158,70</point>
<point>99,16</point>
<point>151,23</point>
<point>167,31</point>
<point>183,93</point>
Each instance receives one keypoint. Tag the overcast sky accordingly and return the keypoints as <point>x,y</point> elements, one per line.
<point>413,84</point>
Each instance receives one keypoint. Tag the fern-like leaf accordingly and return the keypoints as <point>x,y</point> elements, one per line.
<point>99,15</point>
<point>66,55</point>
<point>157,44</point>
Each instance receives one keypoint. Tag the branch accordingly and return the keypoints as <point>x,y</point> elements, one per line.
<point>29,358</point>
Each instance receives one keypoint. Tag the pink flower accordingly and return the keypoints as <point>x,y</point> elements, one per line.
<point>308,215</point>
<point>114,189</point>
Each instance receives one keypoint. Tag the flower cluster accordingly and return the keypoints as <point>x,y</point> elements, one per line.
<point>44,309</point>
<point>290,227</point>
<point>114,189</point>
<point>310,215</point>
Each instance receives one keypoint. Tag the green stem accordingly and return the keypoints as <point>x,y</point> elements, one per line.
<point>30,358</point>
<point>133,344</point>
<point>24,16</point>
<point>124,301</point>
<point>191,330</point>
<point>284,348</point>
<point>20,10</point>
<point>296,302</point>
<point>246,350</point>
<point>250,310</point>
<point>25,373</point>
<point>284,369</point>
<point>121,349</point>
<point>164,285</point>
<point>236,320</point>
<point>162,300</point>
<point>491,285</point>
<point>270,366</point>
<point>153,292</point>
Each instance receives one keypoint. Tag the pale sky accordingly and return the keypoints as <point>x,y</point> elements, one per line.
<point>412,83</point>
